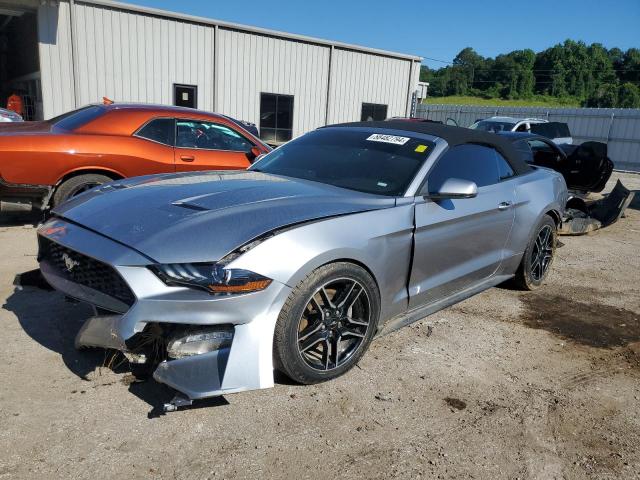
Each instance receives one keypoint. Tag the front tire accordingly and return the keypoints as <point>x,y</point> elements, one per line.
<point>76,185</point>
<point>327,323</point>
<point>538,257</point>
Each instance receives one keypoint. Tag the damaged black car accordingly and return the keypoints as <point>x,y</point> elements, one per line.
<point>586,169</point>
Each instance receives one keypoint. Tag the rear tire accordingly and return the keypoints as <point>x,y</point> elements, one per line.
<point>327,323</point>
<point>538,257</point>
<point>76,185</point>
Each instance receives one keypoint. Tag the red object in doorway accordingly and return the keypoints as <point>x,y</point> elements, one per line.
<point>15,104</point>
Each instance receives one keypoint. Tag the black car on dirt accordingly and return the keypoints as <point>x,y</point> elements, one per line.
<point>586,169</point>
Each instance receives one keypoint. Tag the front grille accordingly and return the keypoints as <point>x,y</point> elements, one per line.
<point>84,270</point>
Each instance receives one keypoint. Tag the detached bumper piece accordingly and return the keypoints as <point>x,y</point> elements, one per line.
<point>582,217</point>
<point>18,198</point>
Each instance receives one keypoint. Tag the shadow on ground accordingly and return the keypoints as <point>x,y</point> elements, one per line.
<point>18,219</point>
<point>594,323</point>
<point>52,322</point>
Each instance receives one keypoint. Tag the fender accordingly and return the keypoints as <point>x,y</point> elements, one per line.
<point>385,251</point>
<point>110,172</point>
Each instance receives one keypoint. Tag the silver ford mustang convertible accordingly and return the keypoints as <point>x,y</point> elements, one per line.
<point>210,280</point>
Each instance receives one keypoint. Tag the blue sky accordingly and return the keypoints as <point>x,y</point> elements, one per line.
<point>436,29</point>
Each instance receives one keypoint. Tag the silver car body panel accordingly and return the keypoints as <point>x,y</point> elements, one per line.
<point>152,213</point>
<point>424,255</point>
<point>249,363</point>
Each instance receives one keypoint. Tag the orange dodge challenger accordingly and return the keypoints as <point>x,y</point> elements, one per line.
<point>44,163</point>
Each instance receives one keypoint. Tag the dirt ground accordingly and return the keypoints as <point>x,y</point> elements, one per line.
<point>504,385</point>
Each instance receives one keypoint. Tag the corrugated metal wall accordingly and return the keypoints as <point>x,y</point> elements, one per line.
<point>358,78</point>
<point>138,58</point>
<point>250,64</point>
<point>56,65</point>
<point>618,127</point>
<point>135,56</point>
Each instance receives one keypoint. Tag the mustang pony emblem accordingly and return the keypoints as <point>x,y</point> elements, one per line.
<point>69,262</point>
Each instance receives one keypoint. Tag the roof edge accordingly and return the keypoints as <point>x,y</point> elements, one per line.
<point>246,28</point>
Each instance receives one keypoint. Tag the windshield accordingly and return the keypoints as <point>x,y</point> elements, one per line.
<point>77,118</point>
<point>493,126</point>
<point>358,160</point>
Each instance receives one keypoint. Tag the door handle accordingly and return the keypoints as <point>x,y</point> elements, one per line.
<point>187,158</point>
<point>504,205</point>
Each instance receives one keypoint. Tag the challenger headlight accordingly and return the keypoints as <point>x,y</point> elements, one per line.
<point>212,277</point>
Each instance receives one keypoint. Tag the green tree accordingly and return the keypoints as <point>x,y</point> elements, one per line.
<point>631,66</point>
<point>629,96</point>
<point>604,96</point>
<point>616,56</point>
<point>468,64</point>
<point>589,73</point>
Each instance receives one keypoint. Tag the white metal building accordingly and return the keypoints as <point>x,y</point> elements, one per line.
<point>68,53</point>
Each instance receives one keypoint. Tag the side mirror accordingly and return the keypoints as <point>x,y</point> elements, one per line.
<point>254,154</point>
<point>455,188</point>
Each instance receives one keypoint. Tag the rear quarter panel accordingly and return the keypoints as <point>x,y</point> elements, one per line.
<point>537,193</point>
<point>45,159</point>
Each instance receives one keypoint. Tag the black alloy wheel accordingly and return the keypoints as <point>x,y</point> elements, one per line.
<point>542,253</point>
<point>537,259</point>
<point>327,323</point>
<point>334,324</point>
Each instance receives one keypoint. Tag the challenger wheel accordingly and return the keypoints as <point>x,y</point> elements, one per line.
<point>327,323</point>
<point>76,185</point>
<point>538,256</point>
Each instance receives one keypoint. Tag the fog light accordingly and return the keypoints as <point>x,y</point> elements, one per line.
<point>197,342</point>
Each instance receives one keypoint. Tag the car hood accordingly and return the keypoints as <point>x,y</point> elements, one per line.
<point>203,216</point>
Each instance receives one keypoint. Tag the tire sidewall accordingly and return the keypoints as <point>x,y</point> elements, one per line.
<point>67,188</point>
<point>289,356</point>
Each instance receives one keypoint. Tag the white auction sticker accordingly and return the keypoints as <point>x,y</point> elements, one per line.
<point>379,137</point>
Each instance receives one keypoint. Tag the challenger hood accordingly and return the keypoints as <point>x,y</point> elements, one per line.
<point>202,216</point>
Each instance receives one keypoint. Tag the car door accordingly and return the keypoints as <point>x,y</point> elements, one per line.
<point>547,154</point>
<point>148,150</point>
<point>587,166</point>
<point>205,145</point>
<point>460,242</point>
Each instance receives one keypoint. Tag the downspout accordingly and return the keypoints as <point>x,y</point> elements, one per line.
<point>76,88</point>
<point>409,91</point>
<point>327,112</point>
<point>216,73</point>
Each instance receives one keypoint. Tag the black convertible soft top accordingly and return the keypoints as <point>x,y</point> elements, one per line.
<point>453,136</point>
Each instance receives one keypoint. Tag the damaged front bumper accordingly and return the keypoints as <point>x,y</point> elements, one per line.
<point>245,363</point>
<point>583,217</point>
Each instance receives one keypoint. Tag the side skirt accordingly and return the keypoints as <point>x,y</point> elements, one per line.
<point>423,311</point>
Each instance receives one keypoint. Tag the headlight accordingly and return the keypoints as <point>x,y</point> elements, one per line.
<point>211,277</point>
<point>199,341</point>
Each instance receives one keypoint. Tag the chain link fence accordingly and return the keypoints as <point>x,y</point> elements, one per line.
<point>619,128</point>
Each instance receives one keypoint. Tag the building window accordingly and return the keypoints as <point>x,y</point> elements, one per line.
<point>185,95</point>
<point>276,118</point>
<point>373,111</point>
